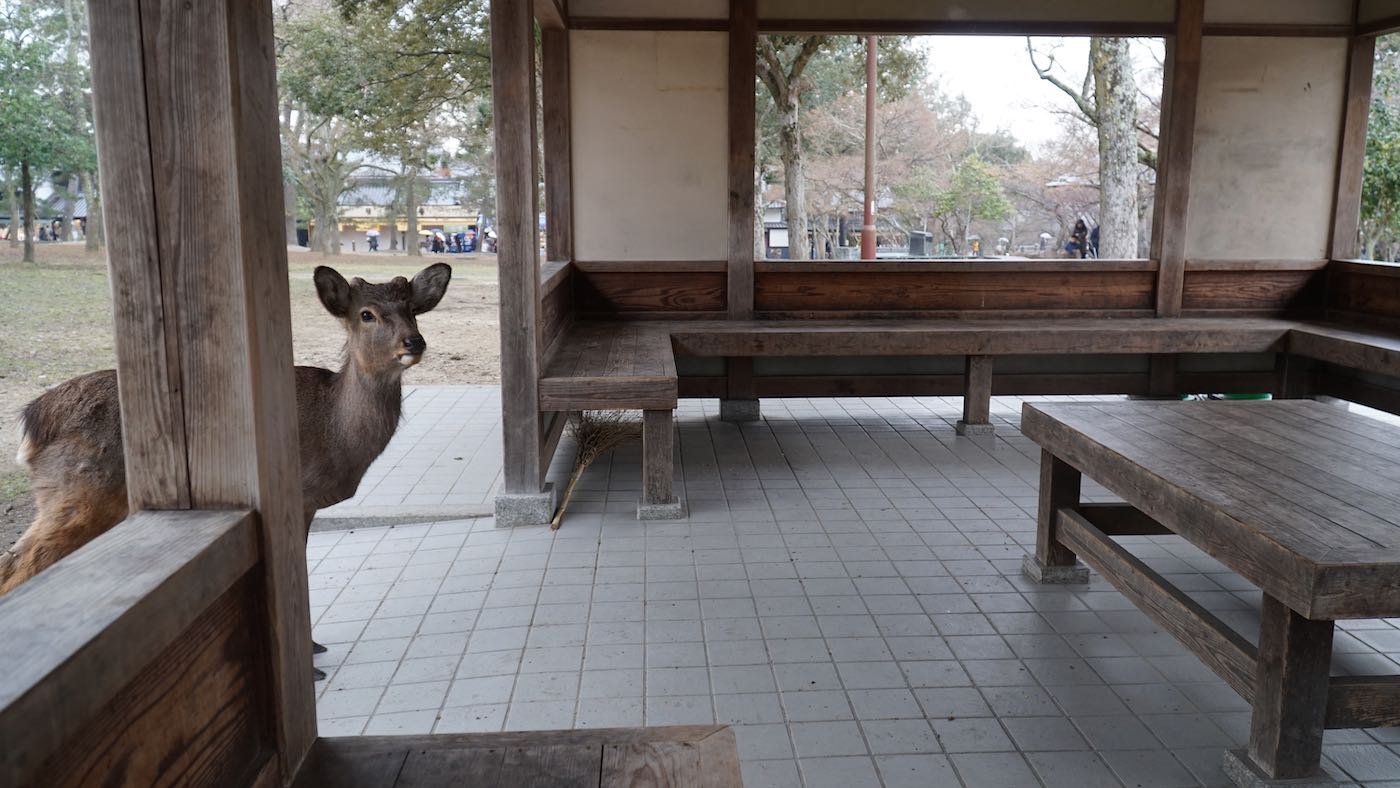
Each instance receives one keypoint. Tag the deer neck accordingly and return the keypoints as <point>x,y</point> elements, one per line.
<point>367,410</point>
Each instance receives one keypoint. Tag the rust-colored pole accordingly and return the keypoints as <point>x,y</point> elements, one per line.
<point>867,229</point>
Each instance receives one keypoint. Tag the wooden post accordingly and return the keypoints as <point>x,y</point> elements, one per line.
<point>743,51</point>
<point>977,397</point>
<point>1053,563</point>
<point>513,99</point>
<point>558,153</point>
<point>1346,200</point>
<point>202,311</point>
<point>740,403</point>
<point>659,501</point>
<point>1174,168</point>
<point>1290,696</point>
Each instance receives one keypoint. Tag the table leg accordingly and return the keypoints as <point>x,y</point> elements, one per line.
<point>1053,562</point>
<point>1290,695</point>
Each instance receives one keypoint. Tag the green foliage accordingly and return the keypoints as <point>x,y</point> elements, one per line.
<point>972,193</point>
<point>1380,192</point>
<point>35,125</point>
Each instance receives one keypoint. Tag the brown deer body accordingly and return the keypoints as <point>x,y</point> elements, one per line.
<point>71,437</point>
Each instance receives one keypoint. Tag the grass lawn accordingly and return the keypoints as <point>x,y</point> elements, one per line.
<point>57,317</point>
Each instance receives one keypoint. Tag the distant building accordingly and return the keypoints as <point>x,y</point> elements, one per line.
<point>369,205</point>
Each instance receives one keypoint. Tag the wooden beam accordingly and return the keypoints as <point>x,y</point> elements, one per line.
<point>1174,173</point>
<point>513,99</point>
<point>1247,30</point>
<point>558,150</point>
<point>1363,702</point>
<point>1223,650</point>
<point>123,598</point>
<point>551,14</point>
<point>743,46</point>
<point>203,319</point>
<point>977,396</point>
<point>1379,27</point>
<point>1351,159</point>
<point>1120,519</point>
<point>967,27</point>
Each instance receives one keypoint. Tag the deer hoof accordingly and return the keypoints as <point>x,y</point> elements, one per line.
<point>320,675</point>
<point>317,648</point>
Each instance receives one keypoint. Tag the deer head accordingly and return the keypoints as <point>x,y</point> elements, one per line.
<point>381,320</point>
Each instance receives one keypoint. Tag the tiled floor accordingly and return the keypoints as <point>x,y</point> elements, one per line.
<point>846,592</point>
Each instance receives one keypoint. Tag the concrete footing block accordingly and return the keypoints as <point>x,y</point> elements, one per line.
<point>1053,575</point>
<point>525,508</point>
<point>739,410</point>
<point>675,510</point>
<point>1242,772</point>
<point>974,430</point>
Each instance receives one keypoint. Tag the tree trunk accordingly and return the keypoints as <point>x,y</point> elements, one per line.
<point>1115,95</point>
<point>92,224</point>
<point>760,250</point>
<point>70,204</point>
<point>289,212</point>
<point>26,185</point>
<point>410,241</point>
<point>794,184</point>
<point>14,214</point>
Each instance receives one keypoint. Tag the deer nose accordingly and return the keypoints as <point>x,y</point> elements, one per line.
<point>415,344</point>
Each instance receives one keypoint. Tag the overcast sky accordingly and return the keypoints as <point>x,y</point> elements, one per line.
<point>995,75</point>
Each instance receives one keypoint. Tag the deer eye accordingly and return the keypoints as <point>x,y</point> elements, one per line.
<point>367,316</point>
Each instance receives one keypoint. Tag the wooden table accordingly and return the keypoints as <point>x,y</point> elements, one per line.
<point>1298,497</point>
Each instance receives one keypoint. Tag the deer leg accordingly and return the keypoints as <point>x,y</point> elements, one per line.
<point>316,648</point>
<point>64,523</point>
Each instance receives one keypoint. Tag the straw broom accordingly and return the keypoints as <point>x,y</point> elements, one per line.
<point>596,432</point>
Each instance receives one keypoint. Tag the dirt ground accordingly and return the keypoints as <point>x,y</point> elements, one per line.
<point>57,322</point>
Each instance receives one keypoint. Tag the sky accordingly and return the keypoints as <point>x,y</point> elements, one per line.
<point>995,74</point>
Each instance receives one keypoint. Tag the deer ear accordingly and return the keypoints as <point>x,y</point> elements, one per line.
<point>429,286</point>
<point>333,290</point>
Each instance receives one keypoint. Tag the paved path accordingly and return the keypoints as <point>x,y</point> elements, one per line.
<point>846,592</point>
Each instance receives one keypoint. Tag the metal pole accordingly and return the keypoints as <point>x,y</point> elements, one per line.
<point>867,230</point>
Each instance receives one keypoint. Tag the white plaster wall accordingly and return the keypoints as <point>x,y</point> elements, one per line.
<point>669,9</point>
<point>1278,12</point>
<point>650,145</point>
<point>975,10</point>
<point>1268,126</point>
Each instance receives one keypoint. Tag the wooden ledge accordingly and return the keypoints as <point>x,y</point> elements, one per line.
<point>79,632</point>
<point>704,756</point>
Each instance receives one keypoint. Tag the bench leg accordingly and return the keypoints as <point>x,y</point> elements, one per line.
<point>977,398</point>
<point>739,403</point>
<point>659,501</point>
<point>1290,700</point>
<point>1053,563</point>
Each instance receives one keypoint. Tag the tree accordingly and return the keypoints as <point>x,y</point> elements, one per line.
<point>1380,190</point>
<point>35,129</point>
<point>973,193</point>
<point>1107,101</point>
<point>838,63</point>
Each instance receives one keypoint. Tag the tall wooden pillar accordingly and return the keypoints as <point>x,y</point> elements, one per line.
<point>1174,155</point>
<point>1346,201</point>
<point>517,260</point>
<point>743,51</point>
<point>186,109</point>
<point>558,155</point>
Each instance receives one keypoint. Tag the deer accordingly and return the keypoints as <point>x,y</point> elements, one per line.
<point>71,436</point>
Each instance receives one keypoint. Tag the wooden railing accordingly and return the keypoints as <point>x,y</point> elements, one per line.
<point>134,661</point>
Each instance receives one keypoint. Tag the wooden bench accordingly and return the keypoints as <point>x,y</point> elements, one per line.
<point>1297,497</point>
<point>630,365</point>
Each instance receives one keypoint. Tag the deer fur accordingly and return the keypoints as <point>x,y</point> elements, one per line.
<point>71,437</point>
